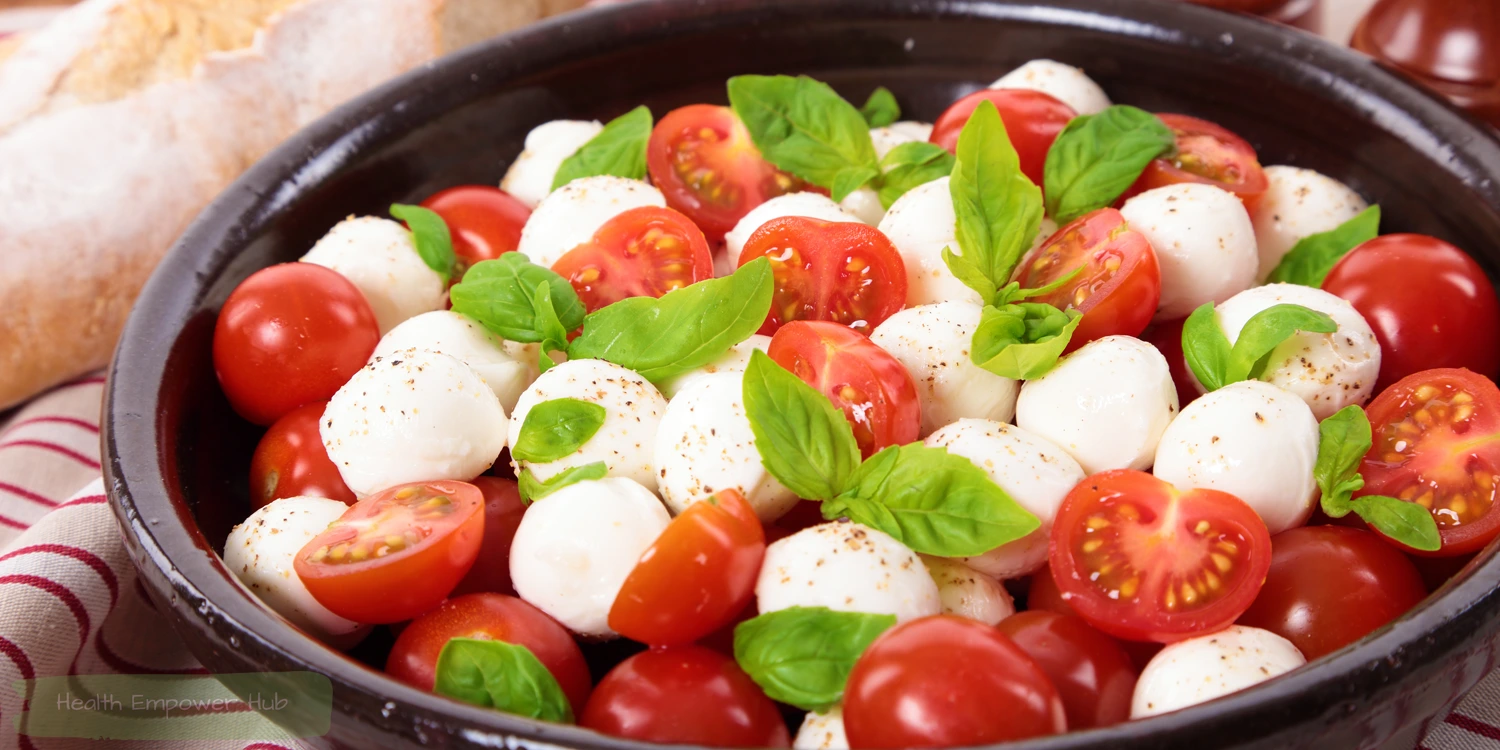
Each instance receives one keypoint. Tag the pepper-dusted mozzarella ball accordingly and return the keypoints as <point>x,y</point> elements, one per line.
<point>462,337</point>
<point>1327,370</point>
<point>966,592</point>
<point>897,133</point>
<point>570,216</point>
<point>1034,472</point>
<point>920,224</point>
<point>811,205</point>
<point>705,445</point>
<point>1063,82</point>
<point>1106,404</point>
<point>864,204</point>
<point>379,256</point>
<point>846,567</point>
<point>1211,666</point>
<point>414,416</point>
<point>1203,240</point>
<point>548,145</point>
<point>575,547</point>
<point>737,359</point>
<point>260,552</point>
<point>1297,203</point>
<point>633,409</point>
<point>932,342</point>
<point>1252,440</point>
<point>822,731</point>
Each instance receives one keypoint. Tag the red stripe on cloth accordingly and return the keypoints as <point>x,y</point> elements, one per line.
<point>85,500</point>
<point>83,424</point>
<point>64,595</point>
<point>13,523</point>
<point>26,494</point>
<point>1473,726</point>
<point>23,665</point>
<point>266,746</point>
<point>125,666</point>
<point>47,445</point>
<point>81,555</point>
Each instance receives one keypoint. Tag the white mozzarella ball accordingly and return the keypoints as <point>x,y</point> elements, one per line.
<point>932,342</point>
<point>1043,233</point>
<point>570,216</point>
<point>846,567</point>
<point>737,359</point>
<point>811,205</point>
<point>864,204</point>
<point>705,445</point>
<point>920,224</point>
<point>966,592</point>
<point>1106,404</point>
<point>414,416</point>
<point>897,133</point>
<point>463,337</point>
<point>1203,240</point>
<point>633,409</point>
<point>1034,472</point>
<point>1252,440</point>
<point>1211,666</point>
<point>548,145</point>
<point>1063,82</point>
<point>575,547</point>
<point>1327,370</point>
<point>822,731</point>
<point>1297,203</point>
<point>260,552</point>
<point>379,257</point>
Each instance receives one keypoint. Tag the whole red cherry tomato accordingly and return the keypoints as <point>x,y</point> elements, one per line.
<point>502,516</point>
<point>290,460</point>
<point>484,220</point>
<point>1092,674</point>
<point>1032,120</point>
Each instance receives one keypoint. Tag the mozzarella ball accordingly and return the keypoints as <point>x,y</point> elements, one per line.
<point>260,552</point>
<point>379,257</point>
<point>1211,666</point>
<point>811,205</point>
<point>846,567</point>
<point>966,592</point>
<point>1327,370</point>
<point>1067,84</point>
<point>464,338</point>
<point>897,133</point>
<point>414,416</point>
<point>1106,404</point>
<point>1203,240</point>
<point>822,731</point>
<point>932,342</point>
<point>1252,440</point>
<point>864,204</point>
<point>920,224</point>
<point>632,406</point>
<point>548,145</point>
<point>1297,203</point>
<point>737,359</point>
<point>1034,472</point>
<point>575,547</point>
<point>570,216</point>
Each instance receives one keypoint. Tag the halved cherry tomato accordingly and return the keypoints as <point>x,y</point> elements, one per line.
<point>1043,595</point>
<point>1118,281</point>
<point>1141,560</point>
<point>702,158</point>
<point>290,460</point>
<point>1206,153</point>
<point>844,272</point>
<point>485,222</point>
<point>874,389</point>
<point>643,252</point>
<point>1437,443</point>
<point>1092,674</point>
<point>695,577</point>
<point>497,617</point>
<point>1167,338</point>
<point>1032,120</point>
<point>395,554</point>
<point>502,516</point>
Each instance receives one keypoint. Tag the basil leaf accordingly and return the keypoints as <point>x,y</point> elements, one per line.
<point>549,324</point>
<point>501,293</point>
<point>1022,341</point>
<point>1264,332</point>
<point>803,439</point>
<point>1096,157</point>
<point>619,150</point>
<point>500,675</point>
<point>533,489</point>
<point>997,210</point>
<point>556,428</point>
<point>1014,293</point>
<point>804,128</point>
<point>1205,348</point>
<point>803,655</point>
<point>965,271</point>
<point>881,108</point>
<point>909,165</point>
<point>1310,260</point>
<point>1407,523</point>
<point>1343,441</point>
<point>851,179</point>
<point>430,235</point>
<point>686,328</point>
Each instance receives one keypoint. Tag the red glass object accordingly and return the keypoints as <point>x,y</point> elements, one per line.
<point>1304,14</point>
<point>1453,46</point>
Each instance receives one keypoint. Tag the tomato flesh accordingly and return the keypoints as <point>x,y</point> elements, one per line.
<point>1032,121</point>
<point>483,220</point>
<point>643,252</point>
<point>290,461</point>
<point>1206,153</point>
<point>1092,674</point>
<point>843,272</point>
<point>502,516</point>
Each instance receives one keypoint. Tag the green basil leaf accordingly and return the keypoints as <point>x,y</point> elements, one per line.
<point>965,270</point>
<point>501,293</point>
<point>1096,157</point>
<point>1343,441</point>
<point>1265,331</point>
<point>1014,293</point>
<point>430,235</point>
<point>556,428</point>
<point>881,108</point>
<point>500,675</point>
<point>1022,341</point>
<point>684,329</point>
<point>1205,348</point>
<point>1310,260</point>
<point>803,439</point>
<point>1407,523</point>
<point>619,150</point>
<point>851,179</point>
<point>533,489</point>
<point>860,510</point>
<point>804,128</point>
<point>803,655</point>
<point>909,165</point>
<point>997,209</point>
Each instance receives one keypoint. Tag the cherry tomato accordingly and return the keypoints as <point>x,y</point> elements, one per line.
<point>1141,560</point>
<point>1092,674</point>
<point>1032,120</point>
<point>1329,586</point>
<point>947,681</point>
<point>1206,153</point>
<point>290,461</point>
<point>1044,596</point>
<point>502,516</point>
<point>290,335</point>
<point>1167,338</point>
<point>485,222</point>
<point>874,389</point>
<point>1436,438</point>
<point>684,695</point>
<point>395,554</point>
<point>1436,571</point>
<point>643,252</point>
<point>695,577</point>
<point>413,659</point>
<point>844,272</point>
<point>1118,281</point>
<point>1429,304</point>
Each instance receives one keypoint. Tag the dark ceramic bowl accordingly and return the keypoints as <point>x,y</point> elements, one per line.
<point>177,456</point>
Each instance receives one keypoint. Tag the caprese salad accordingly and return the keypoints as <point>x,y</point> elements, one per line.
<point>808,401</point>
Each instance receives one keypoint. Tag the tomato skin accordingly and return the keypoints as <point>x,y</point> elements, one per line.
<point>1092,674</point>
<point>941,681</point>
<point>644,252</point>
<point>290,335</point>
<point>1329,586</point>
<point>502,516</point>
<point>1428,302</point>
<point>1032,120</point>
<point>290,460</point>
<point>845,272</point>
<point>413,658</point>
<point>1208,154</point>
<point>484,221</point>
<point>1044,596</point>
<point>1167,338</point>
<point>685,695</point>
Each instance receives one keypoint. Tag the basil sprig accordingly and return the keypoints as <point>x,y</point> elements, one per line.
<point>802,656</point>
<point>500,675</point>
<point>1097,157</point>
<point>430,235</point>
<point>556,428</point>
<point>1310,260</point>
<point>909,165</point>
<point>1022,341</point>
<point>881,108</point>
<point>1343,440</point>
<point>533,489</point>
<point>618,150</point>
<point>804,440</point>
<point>805,128</point>
<point>1216,363</point>
<point>520,301</point>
